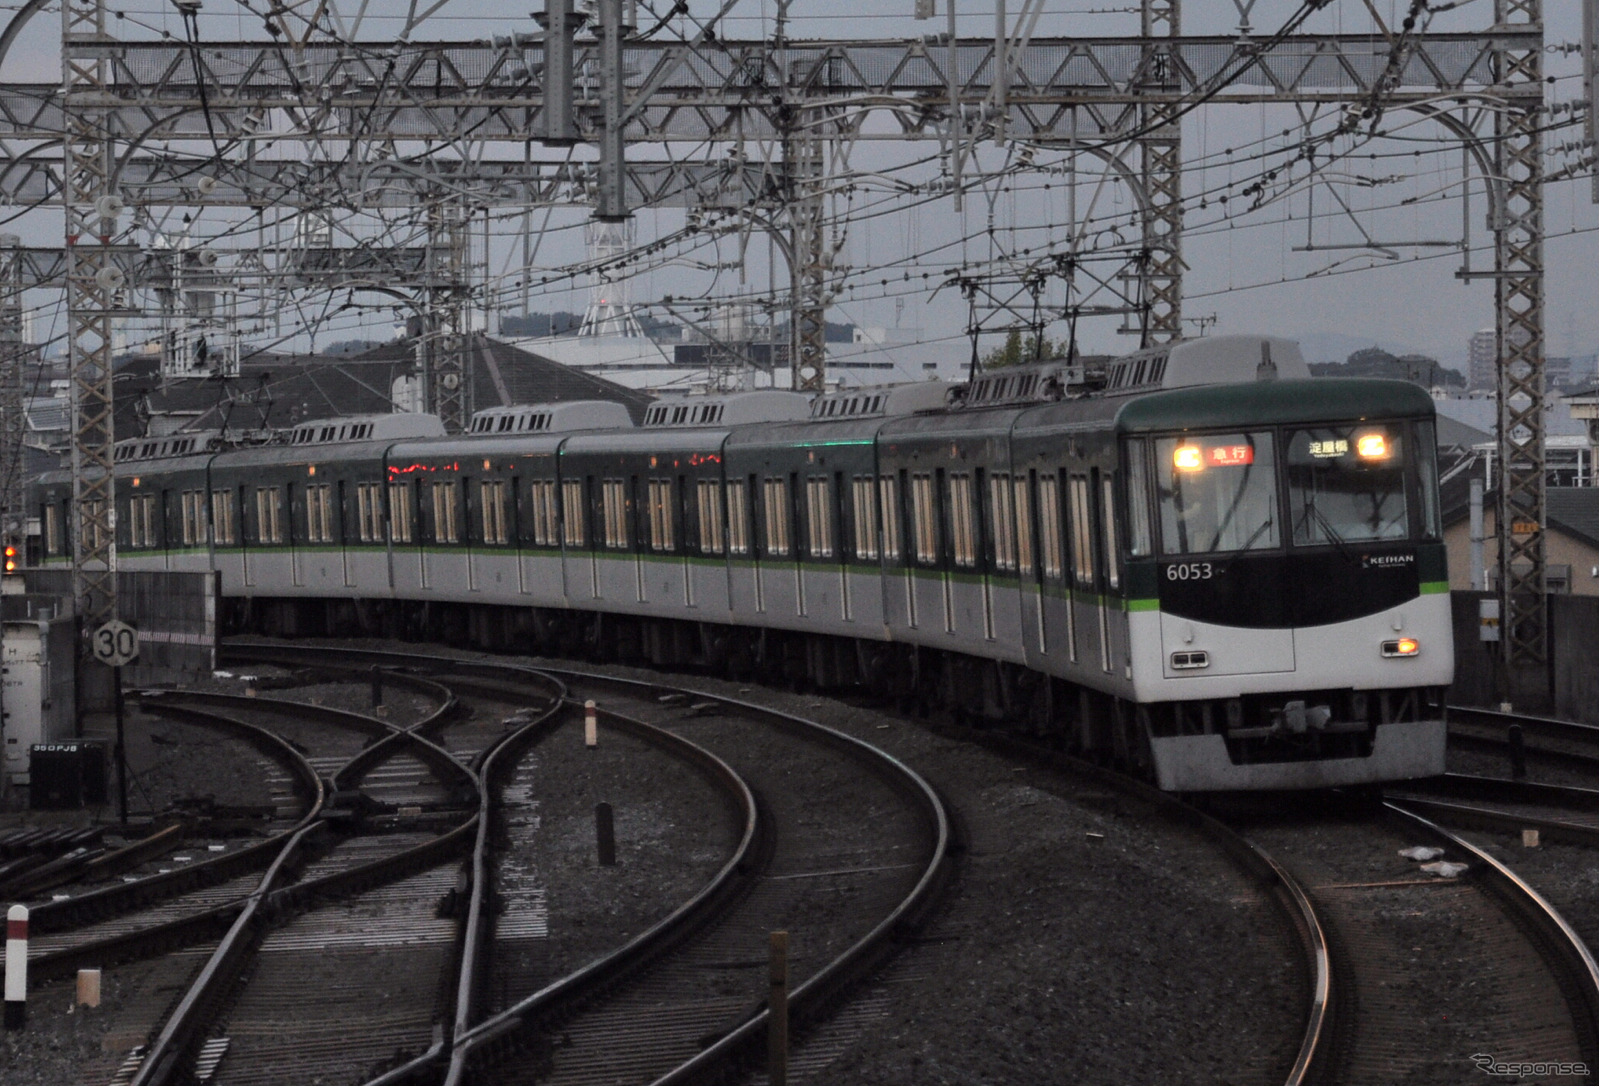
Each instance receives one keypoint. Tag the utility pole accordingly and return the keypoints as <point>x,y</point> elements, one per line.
<point>13,421</point>
<point>445,312</point>
<point>93,281</point>
<point>1519,332</point>
<point>1161,175</point>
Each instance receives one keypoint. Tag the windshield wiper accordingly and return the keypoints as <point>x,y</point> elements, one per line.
<point>1331,532</point>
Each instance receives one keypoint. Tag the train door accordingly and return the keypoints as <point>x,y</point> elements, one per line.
<point>341,536</point>
<point>1114,620</point>
<point>839,534</point>
<point>290,497</point>
<point>248,525</point>
<point>1100,528</point>
<point>680,511</point>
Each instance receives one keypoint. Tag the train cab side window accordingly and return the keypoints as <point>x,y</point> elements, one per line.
<point>963,527</point>
<point>658,495</point>
<point>819,518</point>
<point>222,532</point>
<point>1428,479</point>
<point>889,505</point>
<point>492,508</point>
<point>402,512</point>
<point>925,526</point>
<point>738,517</point>
<point>1140,542</point>
<point>1082,532</point>
<point>708,505</point>
<point>1108,524</point>
<point>775,515</point>
<point>614,504</point>
<point>269,515</point>
<point>572,533</point>
<point>864,510</point>
<point>546,521</point>
<point>445,526</point>
<point>1002,522</point>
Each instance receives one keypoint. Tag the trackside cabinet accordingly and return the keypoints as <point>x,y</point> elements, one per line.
<point>36,667</point>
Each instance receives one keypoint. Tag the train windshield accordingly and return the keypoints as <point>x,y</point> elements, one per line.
<point>1217,493</point>
<point>1347,484</point>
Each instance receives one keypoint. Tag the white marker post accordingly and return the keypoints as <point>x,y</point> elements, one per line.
<point>16,967</point>
<point>591,725</point>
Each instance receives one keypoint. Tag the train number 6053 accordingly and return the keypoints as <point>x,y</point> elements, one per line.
<point>1189,571</point>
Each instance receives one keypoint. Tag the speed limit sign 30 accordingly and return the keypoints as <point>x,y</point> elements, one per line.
<point>114,644</point>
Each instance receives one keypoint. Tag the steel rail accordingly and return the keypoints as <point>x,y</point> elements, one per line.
<point>705,905</point>
<point>469,1040</point>
<point>68,913</point>
<point>1544,735</point>
<point>271,903</point>
<point>807,998</point>
<point>1565,952</point>
<point>1472,817</point>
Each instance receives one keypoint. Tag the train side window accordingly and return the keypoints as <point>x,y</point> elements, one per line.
<point>52,529</point>
<point>1108,522</point>
<point>819,518</point>
<point>1024,523</point>
<point>864,508</point>
<point>889,505</point>
<point>91,522</point>
<point>222,533</point>
<point>141,520</point>
<point>402,512</point>
<point>1002,522</point>
<point>194,518</point>
<point>572,533</point>
<point>963,528</point>
<point>1140,538</point>
<point>369,512</point>
<point>1082,532</point>
<point>923,517</point>
<point>269,515</point>
<point>775,515</point>
<point>546,520</point>
<point>614,504</point>
<point>738,517</point>
<point>708,504</point>
<point>659,499</point>
<point>492,508</point>
<point>445,527</point>
<point>319,515</point>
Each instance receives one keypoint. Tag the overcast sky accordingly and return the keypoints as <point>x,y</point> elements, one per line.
<point>1295,267</point>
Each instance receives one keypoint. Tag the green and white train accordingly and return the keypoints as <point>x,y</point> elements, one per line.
<point>1196,561</point>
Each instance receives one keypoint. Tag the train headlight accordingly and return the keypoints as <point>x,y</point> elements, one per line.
<point>1400,647</point>
<point>1372,446</point>
<point>1187,458</point>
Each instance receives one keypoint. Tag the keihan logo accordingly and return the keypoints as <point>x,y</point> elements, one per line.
<point>1373,561</point>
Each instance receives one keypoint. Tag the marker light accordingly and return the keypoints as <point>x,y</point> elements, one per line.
<point>1186,458</point>
<point>1373,446</point>
<point>1400,647</point>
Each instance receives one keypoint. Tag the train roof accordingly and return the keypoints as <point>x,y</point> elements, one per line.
<point>1308,400</point>
<point>387,426</point>
<point>560,416</point>
<point>728,409</point>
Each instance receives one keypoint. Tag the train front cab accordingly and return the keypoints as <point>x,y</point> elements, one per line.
<point>1287,593</point>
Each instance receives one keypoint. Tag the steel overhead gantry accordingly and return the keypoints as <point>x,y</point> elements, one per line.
<point>1056,91</point>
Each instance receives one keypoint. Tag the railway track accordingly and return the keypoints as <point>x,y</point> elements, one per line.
<point>1559,813</point>
<point>844,878</point>
<point>1526,742</point>
<point>1429,970</point>
<point>398,808</point>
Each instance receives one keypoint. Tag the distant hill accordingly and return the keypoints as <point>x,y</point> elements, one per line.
<point>1376,362</point>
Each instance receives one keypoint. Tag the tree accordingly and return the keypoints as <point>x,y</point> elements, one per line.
<point>1019,351</point>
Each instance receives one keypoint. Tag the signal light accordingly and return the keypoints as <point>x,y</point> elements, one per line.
<point>1186,458</point>
<point>13,560</point>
